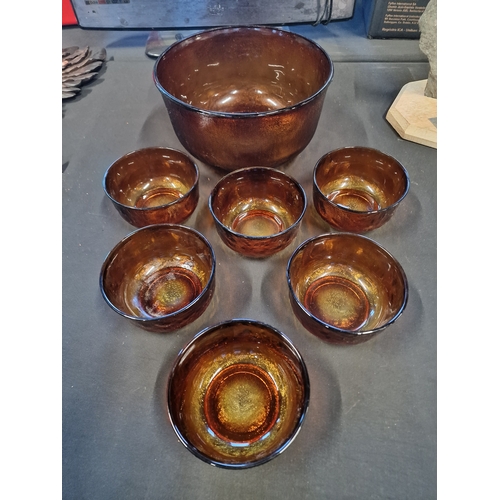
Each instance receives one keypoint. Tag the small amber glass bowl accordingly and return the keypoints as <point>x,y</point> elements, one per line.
<point>345,288</point>
<point>357,189</point>
<point>153,186</point>
<point>160,277</point>
<point>238,394</point>
<point>257,210</point>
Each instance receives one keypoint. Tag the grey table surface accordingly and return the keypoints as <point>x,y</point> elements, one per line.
<point>370,432</point>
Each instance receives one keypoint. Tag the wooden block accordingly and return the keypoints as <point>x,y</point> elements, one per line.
<point>414,116</point>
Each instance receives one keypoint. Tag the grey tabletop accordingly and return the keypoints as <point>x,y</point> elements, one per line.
<point>370,432</point>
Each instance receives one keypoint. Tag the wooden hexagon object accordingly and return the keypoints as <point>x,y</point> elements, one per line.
<point>414,115</point>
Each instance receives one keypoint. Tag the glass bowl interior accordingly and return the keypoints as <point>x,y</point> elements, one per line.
<point>157,271</point>
<point>238,393</point>
<point>243,70</point>
<point>257,202</point>
<point>348,282</point>
<point>150,178</point>
<point>361,179</point>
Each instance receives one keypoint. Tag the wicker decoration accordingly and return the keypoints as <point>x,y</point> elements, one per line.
<point>79,66</point>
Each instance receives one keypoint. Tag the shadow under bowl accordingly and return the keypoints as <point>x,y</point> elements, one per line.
<point>345,288</point>
<point>358,189</point>
<point>153,186</point>
<point>160,277</point>
<point>238,394</point>
<point>258,210</point>
<point>245,95</point>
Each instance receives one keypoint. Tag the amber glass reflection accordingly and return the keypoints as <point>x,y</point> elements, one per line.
<point>257,211</point>
<point>153,186</point>
<point>244,96</point>
<point>345,288</point>
<point>160,277</point>
<point>358,189</point>
<point>238,393</point>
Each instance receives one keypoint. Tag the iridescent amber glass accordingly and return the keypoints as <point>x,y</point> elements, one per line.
<point>160,277</point>
<point>257,211</point>
<point>238,394</point>
<point>358,189</point>
<point>153,186</point>
<point>245,95</point>
<point>345,288</point>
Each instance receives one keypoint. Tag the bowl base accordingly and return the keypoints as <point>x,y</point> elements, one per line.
<point>354,199</point>
<point>338,302</point>
<point>258,223</point>
<point>158,197</point>
<point>168,290</point>
<point>241,403</point>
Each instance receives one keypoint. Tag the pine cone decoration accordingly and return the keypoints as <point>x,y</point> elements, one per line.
<point>79,66</point>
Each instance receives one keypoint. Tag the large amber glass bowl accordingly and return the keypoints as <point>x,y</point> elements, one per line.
<point>160,277</point>
<point>358,189</point>
<point>238,394</point>
<point>257,211</point>
<point>153,186</point>
<point>244,96</point>
<point>345,288</point>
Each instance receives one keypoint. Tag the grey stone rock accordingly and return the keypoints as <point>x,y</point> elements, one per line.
<point>428,45</point>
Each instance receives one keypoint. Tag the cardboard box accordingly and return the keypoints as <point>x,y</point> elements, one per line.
<point>393,18</point>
